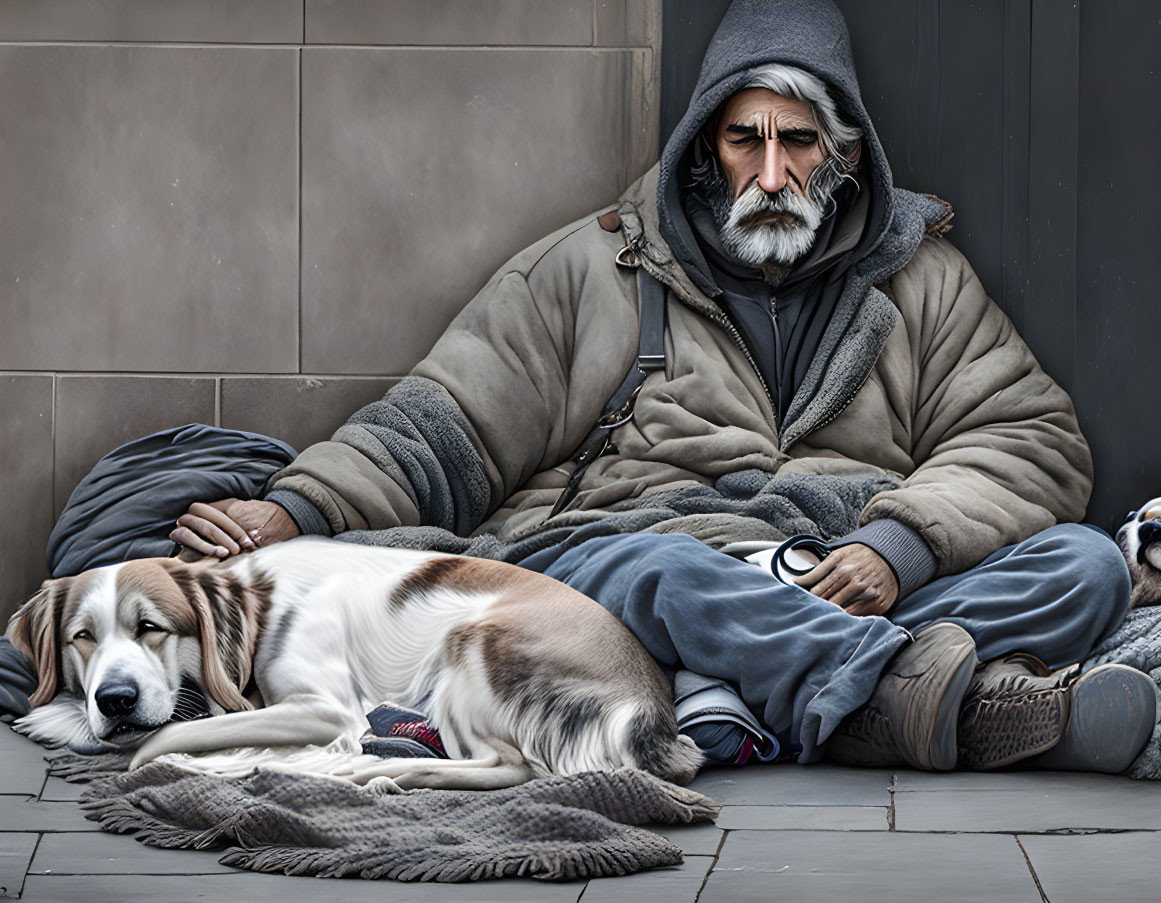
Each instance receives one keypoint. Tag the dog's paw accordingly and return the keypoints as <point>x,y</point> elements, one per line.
<point>383,786</point>
<point>147,753</point>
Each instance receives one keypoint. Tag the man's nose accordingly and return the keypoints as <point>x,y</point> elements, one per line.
<point>775,174</point>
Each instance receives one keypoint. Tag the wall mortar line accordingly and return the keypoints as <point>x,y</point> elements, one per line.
<point>177,45</point>
<point>299,199</point>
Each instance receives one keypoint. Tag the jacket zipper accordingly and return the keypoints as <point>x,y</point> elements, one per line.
<point>777,360</point>
<point>724,322</point>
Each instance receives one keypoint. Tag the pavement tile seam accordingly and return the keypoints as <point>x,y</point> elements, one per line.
<point>60,873</point>
<point>804,806</point>
<point>713,865</point>
<point>1048,832</point>
<point>837,810</point>
<point>1031,869</point>
<point>24,880</point>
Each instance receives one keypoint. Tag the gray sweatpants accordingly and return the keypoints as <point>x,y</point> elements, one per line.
<point>802,663</point>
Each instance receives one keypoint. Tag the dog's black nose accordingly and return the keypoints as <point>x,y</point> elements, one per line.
<point>117,700</point>
<point>1147,534</point>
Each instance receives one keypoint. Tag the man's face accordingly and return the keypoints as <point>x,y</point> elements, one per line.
<point>768,147</point>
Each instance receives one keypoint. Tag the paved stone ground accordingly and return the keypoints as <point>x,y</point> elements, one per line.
<point>786,833</point>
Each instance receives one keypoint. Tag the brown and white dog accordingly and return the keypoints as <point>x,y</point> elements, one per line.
<point>521,675</point>
<point>1140,542</point>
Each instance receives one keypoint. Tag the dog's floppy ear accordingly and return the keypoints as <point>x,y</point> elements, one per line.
<point>219,605</point>
<point>35,631</point>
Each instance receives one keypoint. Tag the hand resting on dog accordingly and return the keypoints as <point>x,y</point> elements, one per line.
<point>229,527</point>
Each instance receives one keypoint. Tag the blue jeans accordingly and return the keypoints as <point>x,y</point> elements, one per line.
<point>802,663</point>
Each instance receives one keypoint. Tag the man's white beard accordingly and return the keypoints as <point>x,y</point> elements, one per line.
<point>782,242</point>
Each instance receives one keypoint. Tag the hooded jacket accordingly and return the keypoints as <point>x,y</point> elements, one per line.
<point>921,396</point>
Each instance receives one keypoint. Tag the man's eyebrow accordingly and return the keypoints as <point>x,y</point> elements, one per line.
<point>794,131</point>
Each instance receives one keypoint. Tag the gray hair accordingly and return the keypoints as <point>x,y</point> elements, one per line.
<point>774,249</point>
<point>838,138</point>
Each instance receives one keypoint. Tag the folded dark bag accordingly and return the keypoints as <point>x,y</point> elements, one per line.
<point>127,505</point>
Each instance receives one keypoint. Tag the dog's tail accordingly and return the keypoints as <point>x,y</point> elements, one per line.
<point>658,748</point>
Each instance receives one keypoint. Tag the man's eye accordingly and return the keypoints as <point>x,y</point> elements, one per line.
<point>738,142</point>
<point>801,140</point>
<point>82,635</point>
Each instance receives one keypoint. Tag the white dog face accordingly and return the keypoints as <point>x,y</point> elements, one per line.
<point>126,643</point>
<point>1140,542</point>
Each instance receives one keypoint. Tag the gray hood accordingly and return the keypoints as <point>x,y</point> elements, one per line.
<point>809,34</point>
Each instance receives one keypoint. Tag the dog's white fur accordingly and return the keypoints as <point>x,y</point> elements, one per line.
<point>1143,557</point>
<point>521,675</point>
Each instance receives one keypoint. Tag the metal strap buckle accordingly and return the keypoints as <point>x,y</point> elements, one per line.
<point>622,415</point>
<point>649,362</point>
<point>627,257</point>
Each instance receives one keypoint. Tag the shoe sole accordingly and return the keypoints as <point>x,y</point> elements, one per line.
<point>1114,712</point>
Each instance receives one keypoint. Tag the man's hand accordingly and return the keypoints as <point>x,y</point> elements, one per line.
<point>855,577</point>
<point>231,526</point>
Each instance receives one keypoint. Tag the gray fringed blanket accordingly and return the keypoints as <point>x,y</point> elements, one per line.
<point>1137,643</point>
<point>556,829</point>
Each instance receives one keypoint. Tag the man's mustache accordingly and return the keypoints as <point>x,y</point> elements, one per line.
<point>781,207</point>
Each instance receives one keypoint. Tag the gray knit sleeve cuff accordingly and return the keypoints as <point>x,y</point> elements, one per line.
<point>908,553</point>
<point>306,516</point>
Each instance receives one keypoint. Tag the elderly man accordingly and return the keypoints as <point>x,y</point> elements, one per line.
<point>828,358</point>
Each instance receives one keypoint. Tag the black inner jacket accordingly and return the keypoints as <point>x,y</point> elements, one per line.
<point>782,325</point>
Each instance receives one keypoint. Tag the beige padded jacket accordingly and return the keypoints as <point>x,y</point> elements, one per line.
<point>919,376</point>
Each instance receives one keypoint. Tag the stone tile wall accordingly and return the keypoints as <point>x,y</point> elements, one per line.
<point>259,213</point>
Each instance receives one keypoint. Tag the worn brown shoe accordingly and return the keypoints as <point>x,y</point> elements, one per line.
<point>912,715</point>
<point>1016,709</point>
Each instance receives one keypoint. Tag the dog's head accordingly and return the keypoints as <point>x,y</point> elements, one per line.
<point>1140,541</point>
<point>142,643</point>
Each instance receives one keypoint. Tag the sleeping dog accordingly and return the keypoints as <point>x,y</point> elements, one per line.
<point>521,675</point>
<point>1140,541</point>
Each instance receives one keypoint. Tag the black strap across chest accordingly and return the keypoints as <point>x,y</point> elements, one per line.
<point>618,409</point>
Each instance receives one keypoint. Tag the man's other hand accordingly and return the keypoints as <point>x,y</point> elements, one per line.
<point>231,526</point>
<point>855,577</point>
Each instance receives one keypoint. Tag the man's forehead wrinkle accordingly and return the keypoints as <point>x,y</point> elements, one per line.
<point>781,120</point>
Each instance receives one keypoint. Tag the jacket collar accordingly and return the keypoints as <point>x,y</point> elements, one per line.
<point>863,318</point>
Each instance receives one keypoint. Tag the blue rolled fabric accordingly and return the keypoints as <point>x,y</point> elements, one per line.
<point>18,681</point>
<point>128,504</point>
